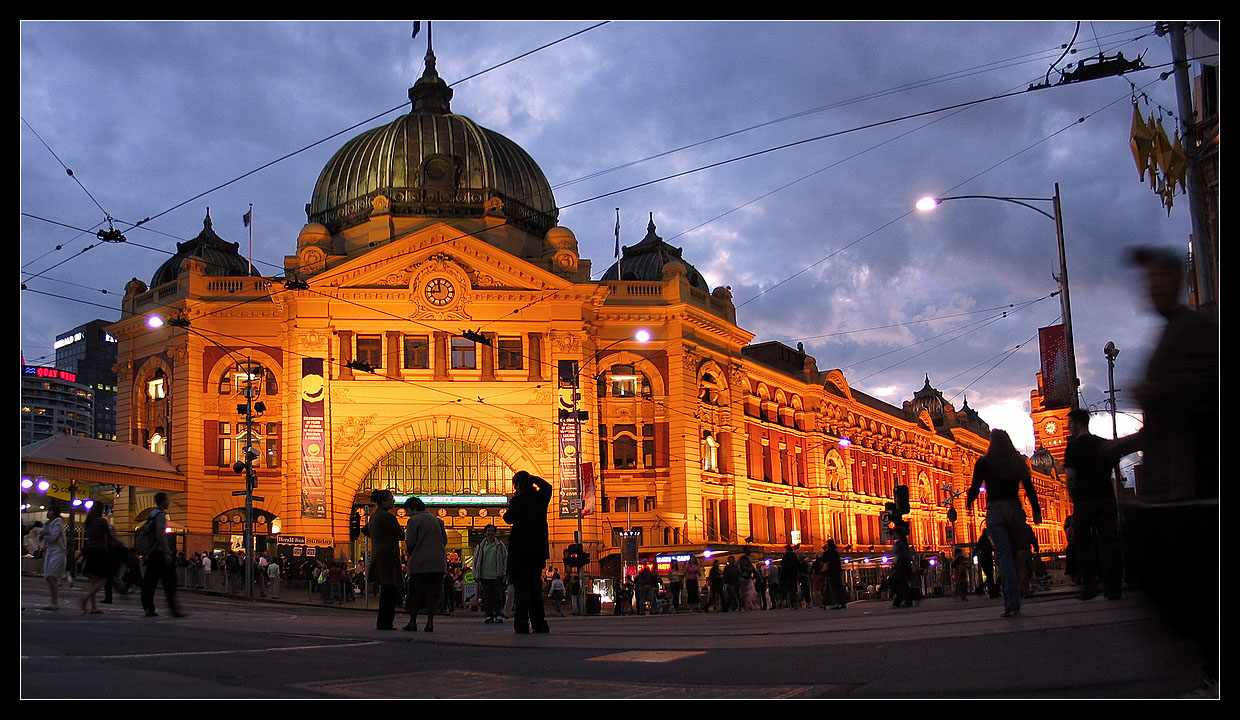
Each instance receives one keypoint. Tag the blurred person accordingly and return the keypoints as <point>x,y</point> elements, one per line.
<point>95,549</point>
<point>1095,516</point>
<point>985,552</point>
<point>55,558</point>
<point>1174,519</point>
<point>159,559</point>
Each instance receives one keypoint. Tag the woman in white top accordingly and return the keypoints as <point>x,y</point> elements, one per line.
<point>54,556</point>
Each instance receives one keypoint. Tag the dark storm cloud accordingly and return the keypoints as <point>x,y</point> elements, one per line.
<point>150,114</point>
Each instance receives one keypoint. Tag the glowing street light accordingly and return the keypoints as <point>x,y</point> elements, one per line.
<point>927,204</point>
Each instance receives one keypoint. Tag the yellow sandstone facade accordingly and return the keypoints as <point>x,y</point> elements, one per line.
<point>432,227</point>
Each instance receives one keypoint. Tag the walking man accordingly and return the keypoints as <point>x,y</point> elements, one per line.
<point>159,565</point>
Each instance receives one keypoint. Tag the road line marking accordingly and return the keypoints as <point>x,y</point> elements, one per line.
<point>227,652</point>
<point>649,656</point>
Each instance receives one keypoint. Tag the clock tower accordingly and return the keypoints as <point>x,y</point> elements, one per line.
<point>1050,425</point>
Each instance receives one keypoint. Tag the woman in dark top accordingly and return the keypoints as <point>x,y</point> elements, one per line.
<point>385,571</point>
<point>1003,471</point>
<point>96,551</point>
<point>835,577</point>
<point>528,550</point>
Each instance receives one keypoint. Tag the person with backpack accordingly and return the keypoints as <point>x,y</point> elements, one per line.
<point>151,541</point>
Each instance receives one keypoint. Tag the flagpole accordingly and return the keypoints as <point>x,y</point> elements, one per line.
<point>249,223</point>
<point>618,275</point>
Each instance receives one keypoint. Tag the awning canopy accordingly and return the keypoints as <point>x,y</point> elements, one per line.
<point>87,460</point>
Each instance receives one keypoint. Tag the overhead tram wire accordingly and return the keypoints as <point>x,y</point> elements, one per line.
<point>835,164</point>
<point>915,85</point>
<point>1005,358</point>
<point>972,327</point>
<point>266,165</point>
<point>952,188</point>
<point>348,129</point>
<point>918,322</point>
<point>961,105</point>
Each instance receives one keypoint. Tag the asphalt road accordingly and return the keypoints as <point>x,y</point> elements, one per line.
<point>1060,647</point>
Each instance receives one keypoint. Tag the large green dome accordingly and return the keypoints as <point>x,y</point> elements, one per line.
<point>432,163</point>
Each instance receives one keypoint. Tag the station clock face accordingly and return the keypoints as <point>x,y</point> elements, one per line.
<point>439,291</point>
<point>1050,427</point>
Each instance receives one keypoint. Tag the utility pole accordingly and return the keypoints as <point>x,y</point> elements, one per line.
<point>1204,249</point>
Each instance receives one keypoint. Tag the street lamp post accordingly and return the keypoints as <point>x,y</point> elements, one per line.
<point>1065,302</point>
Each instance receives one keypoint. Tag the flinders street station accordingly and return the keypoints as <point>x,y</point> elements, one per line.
<point>436,330</point>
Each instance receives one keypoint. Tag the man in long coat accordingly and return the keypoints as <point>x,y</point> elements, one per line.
<point>385,536</point>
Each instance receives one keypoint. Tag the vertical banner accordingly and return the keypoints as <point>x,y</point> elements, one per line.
<point>313,440</point>
<point>569,433</point>
<point>1056,383</point>
<point>587,489</point>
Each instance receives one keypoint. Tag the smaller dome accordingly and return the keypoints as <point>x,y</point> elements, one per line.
<point>221,257</point>
<point>314,234</point>
<point>645,261</point>
<point>561,238</point>
<point>928,399</point>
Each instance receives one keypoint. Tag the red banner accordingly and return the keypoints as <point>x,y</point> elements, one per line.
<point>1056,380</point>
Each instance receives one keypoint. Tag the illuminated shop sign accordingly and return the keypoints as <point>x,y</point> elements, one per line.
<point>47,372</point>
<point>67,340</point>
<point>456,500</point>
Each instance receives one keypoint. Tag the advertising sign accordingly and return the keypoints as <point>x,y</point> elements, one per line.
<point>313,440</point>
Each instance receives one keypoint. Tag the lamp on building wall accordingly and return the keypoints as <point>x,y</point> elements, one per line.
<point>929,203</point>
<point>569,372</point>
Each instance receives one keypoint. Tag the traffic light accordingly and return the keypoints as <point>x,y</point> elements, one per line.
<point>575,556</point>
<point>355,524</point>
<point>902,502</point>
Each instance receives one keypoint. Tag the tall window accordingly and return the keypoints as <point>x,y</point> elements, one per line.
<point>464,354</point>
<point>710,453</point>
<point>370,350</point>
<point>509,355</point>
<point>417,352</point>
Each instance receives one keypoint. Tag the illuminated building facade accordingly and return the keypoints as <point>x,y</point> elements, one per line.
<point>54,402</point>
<point>418,343</point>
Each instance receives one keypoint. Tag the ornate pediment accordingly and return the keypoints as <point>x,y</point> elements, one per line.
<point>400,263</point>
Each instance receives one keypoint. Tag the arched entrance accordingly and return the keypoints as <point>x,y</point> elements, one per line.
<point>463,483</point>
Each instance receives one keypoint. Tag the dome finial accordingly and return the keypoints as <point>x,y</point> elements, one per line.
<point>430,94</point>
<point>206,223</point>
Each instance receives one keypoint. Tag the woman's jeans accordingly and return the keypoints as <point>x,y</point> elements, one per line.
<point>1006,520</point>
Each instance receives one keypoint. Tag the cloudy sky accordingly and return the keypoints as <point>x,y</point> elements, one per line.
<point>818,241</point>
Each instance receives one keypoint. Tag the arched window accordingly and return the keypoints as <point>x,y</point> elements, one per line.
<point>440,466</point>
<point>710,452</point>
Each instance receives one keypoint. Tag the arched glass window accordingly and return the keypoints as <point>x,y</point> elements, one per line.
<point>440,466</point>
<point>710,453</point>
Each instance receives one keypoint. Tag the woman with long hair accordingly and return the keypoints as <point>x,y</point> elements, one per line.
<point>98,567</point>
<point>1003,470</point>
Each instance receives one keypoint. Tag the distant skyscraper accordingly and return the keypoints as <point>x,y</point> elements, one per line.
<point>90,353</point>
<point>54,403</point>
